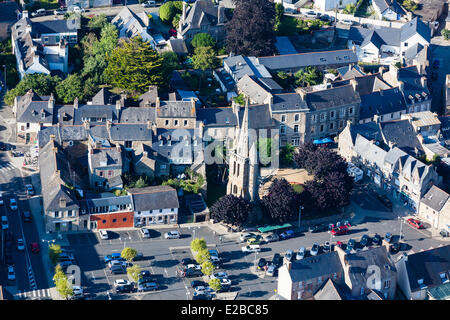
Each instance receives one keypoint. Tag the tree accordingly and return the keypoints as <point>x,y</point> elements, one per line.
<point>239,99</point>
<point>279,12</point>
<point>64,288</point>
<point>98,22</point>
<point>282,202</point>
<point>215,284</point>
<point>207,268</point>
<point>231,209</point>
<point>287,154</point>
<point>304,153</point>
<point>205,58</point>
<point>203,40</point>
<point>325,161</point>
<point>171,61</point>
<point>349,9</point>
<point>446,34</point>
<point>134,66</point>
<point>198,244</point>
<point>59,273</point>
<point>70,88</point>
<point>53,252</point>
<point>134,272</point>
<point>42,84</point>
<point>309,76</point>
<point>128,254</point>
<point>251,30</point>
<point>202,256</point>
<point>168,11</point>
<point>410,5</point>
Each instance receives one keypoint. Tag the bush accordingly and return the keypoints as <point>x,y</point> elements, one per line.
<point>128,254</point>
<point>202,256</point>
<point>203,40</point>
<point>446,34</point>
<point>198,244</point>
<point>53,252</point>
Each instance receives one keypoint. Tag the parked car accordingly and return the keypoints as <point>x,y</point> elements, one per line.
<point>315,249</point>
<point>271,269</point>
<point>197,283</point>
<point>38,13</point>
<point>289,255</point>
<point>172,235</point>
<point>124,289</point>
<point>147,286</point>
<point>145,232</point>
<point>104,234</point>
<point>339,231</point>
<point>444,233</point>
<point>326,18</point>
<point>149,4</point>
<point>340,244</point>
<point>4,223</point>
<point>301,253</point>
<point>76,9</point>
<point>78,293</point>
<point>59,12</point>
<point>388,237</point>
<point>117,269</point>
<point>271,237</point>
<point>35,247</point>
<point>385,201</point>
<point>13,204</point>
<point>253,241</point>
<point>188,273</point>
<point>394,248</point>
<point>219,275</point>
<point>276,260</point>
<point>327,247</point>
<point>376,239</point>
<point>317,228</point>
<point>351,245</point>
<point>225,282</point>
<point>216,261</point>
<point>286,234</point>
<point>20,244</point>
<point>415,223</point>
<point>246,235</point>
<point>186,261</point>
<point>11,273</point>
<point>113,256</point>
<point>251,248</point>
<point>347,22</point>
<point>311,14</point>
<point>30,189</point>
<point>214,253</point>
<point>26,216</point>
<point>364,241</point>
<point>198,296</point>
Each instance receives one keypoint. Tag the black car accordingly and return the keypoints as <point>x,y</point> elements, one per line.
<point>202,297</point>
<point>385,201</point>
<point>394,248</point>
<point>276,260</point>
<point>377,239</point>
<point>26,216</point>
<point>2,146</point>
<point>190,273</point>
<point>351,244</point>
<point>139,256</point>
<point>187,261</point>
<point>262,263</point>
<point>125,288</point>
<point>365,241</point>
<point>198,283</point>
<point>317,228</point>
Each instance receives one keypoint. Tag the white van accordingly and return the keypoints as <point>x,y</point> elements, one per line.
<point>103,234</point>
<point>251,248</point>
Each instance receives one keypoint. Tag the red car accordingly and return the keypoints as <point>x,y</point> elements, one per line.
<point>35,247</point>
<point>415,223</point>
<point>172,32</point>
<point>339,231</point>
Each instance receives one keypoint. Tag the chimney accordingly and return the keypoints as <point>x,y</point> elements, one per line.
<point>75,103</point>
<point>158,102</point>
<point>289,265</point>
<point>420,137</point>
<point>219,15</point>
<point>401,86</point>
<point>86,125</point>
<point>423,81</point>
<point>301,92</point>
<point>354,84</point>
<point>51,101</point>
<point>123,97</point>
<point>376,118</point>
<point>381,70</point>
<point>25,14</point>
<point>119,104</point>
<point>118,148</point>
<point>354,49</point>
<point>108,125</point>
<point>193,106</point>
<point>145,153</point>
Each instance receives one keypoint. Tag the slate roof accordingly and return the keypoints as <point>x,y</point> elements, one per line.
<point>104,96</point>
<point>435,198</point>
<point>138,115</point>
<point>106,200</point>
<point>370,151</point>
<point>178,46</point>
<point>203,12</point>
<point>259,116</point>
<point>106,158</point>
<point>383,5</point>
<point>414,26</point>
<point>269,84</point>
<point>9,11</point>
<point>284,46</point>
<point>315,266</point>
<point>413,89</point>
<point>401,133</point>
<point>95,111</point>
<point>130,132</point>
<point>366,84</point>
<point>32,107</point>
<point>65,115</point>
<point>332,98</point>
<point>217,117</point>
<point>381,102</point>
<point>428,265</point>
<point>167,151</point>
<point>55,26</point>
<point>62,134</point>
<point>370,131</point>
<point>149,98</point>
<point>252,89</point>
<point>445,129</point>
<point>176,109</point>
<point>288,102</point>
<point>242,65</point>
<point>154,198</point>
<point>301,60</point>
<point>330,291</point>
<point>350,72</point>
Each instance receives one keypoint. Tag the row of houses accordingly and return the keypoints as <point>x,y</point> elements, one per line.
<point>370,274</point>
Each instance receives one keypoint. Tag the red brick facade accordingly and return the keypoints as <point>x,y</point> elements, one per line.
<point>113,220</point>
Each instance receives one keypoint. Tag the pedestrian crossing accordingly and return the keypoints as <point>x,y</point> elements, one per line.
<point>6,167</point>
<point>41,294</point>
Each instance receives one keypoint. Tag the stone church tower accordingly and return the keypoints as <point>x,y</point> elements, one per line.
<point>243,161</point>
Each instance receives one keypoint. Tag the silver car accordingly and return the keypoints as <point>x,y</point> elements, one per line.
<point>172,235</point>
<point>301,253</point>
<point>145,233</point>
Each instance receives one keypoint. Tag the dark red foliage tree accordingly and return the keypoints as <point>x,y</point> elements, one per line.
<point>231,209</point>
<point>282,202</point>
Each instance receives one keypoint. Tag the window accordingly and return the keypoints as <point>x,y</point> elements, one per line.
<point>332,115</point>
<point>387,284</point>
<point>296,128</point>
<point>104,221</point>
<point>313,129</point>
<point>160,210</point>
<point>56,214</point>
<point>406,44</point>
<point>297,118</point>
<point>69,213</point>
<point>100,173</point>
<point>172,209</point>
<point>128,144</point>
<point>295,142</point>
<point>331,126</point>
<point>350,111</point>
<point>175,122</point>
<point>161,143</point>
<point>185,122</point>
<point>124,219</point>
<point>167,122</point>
<point>322,117</point>
<point>313,118</point>
<point>282,129</point>
<point>283,118</point>
<point>341,123</point>
<point>114,220</point>
<point>321,128</point>
<point>342,113</point>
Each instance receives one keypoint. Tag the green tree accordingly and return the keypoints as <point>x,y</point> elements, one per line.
<point>70,88</point>
<point>171,61</point>
<point>279,12</point>
<point>42,84</point>
<point>239,99</point>
<point>410,5</point>
<point>135,65</point>
<point>202,256</point>
<point>62,284</point>
<point>141,182</point>
<point>128,254</point>
<point>59,273</point>
<point>308,76</point>
<point>98,22</point>
<point>53,252</point>
<point>349,9</point>
<point>215,284</point>
<point>198,244</point>
<point>287,154</point>
<point>203,40</point>
<point>168,11</point>
<point>176,20</point>
<point>207,268</point>
<point>204,58</point>
<point>134,272</point>
<point>446,34</point>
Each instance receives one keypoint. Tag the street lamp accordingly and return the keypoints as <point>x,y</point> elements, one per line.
<point>299,216</point>
<point>401,224</point>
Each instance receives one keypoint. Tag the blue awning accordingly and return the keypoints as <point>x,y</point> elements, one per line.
<point>322,141</point>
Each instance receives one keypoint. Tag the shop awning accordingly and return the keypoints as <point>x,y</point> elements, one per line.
<point>273,228</point>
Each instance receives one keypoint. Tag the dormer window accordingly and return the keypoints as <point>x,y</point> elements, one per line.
<point>169,142</point>
<point>444,278</point>
<point>161,143</point>
<point>421,284</point>
<point>42,115</point>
